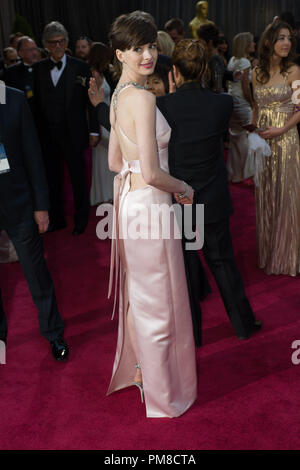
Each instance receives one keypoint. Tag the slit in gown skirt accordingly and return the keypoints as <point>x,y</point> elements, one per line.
<point>152,282</point>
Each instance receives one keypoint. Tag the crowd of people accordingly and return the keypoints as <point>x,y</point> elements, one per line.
<point>157,109</point>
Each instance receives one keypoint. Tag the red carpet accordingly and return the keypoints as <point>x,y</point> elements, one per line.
<point>249,391</point>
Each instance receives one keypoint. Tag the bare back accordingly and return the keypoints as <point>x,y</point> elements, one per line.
<point>122,121</point>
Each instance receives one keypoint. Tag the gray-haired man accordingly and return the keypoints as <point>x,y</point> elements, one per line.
<point>60,106</point>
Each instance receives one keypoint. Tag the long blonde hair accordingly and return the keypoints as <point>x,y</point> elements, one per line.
<point>240,44</point>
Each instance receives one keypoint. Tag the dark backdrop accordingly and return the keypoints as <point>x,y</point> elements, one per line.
<point>93,17</point>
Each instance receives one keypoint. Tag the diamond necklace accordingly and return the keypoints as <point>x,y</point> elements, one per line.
<point>124,85</point>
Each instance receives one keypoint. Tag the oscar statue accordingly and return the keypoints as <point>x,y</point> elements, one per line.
<point>200,18</point>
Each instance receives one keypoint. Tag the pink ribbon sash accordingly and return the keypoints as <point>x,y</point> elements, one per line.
<point>121,188</point>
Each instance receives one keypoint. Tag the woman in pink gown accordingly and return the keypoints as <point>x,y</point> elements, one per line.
<point>155,349</point>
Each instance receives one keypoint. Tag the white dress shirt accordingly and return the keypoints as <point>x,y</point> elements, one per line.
<point>55,73</point>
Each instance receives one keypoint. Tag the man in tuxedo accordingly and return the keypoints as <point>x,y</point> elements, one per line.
<point>23,213</point>
<point>20,75</point>
<point>198,119</point>
<point>60,107</point>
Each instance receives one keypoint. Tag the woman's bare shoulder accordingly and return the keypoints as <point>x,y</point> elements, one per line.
<point>141,96</point>
<point>139,101</point>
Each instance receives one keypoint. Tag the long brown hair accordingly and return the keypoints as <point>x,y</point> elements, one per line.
<point>266,50</point>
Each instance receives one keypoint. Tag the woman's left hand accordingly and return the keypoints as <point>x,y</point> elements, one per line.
<point>271,133</point>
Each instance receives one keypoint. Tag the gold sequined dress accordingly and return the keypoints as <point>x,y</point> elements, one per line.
<point>277,198</point>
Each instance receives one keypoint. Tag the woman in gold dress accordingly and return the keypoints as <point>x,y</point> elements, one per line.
<point>276,116</point>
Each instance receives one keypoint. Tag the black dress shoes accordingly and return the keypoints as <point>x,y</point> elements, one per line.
<point>256,327</point>
<point>60,349</point>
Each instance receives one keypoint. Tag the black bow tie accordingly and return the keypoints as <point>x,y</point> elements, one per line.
<point>56,64</point>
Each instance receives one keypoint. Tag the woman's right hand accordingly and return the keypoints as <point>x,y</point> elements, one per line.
<point>271,132</point>
<point>96,96</point>
<point>172,85</point>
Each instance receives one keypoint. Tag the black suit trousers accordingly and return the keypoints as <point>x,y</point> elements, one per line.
<point>198,288</point>
<point>57,147</point>
<point>29,247</point>
<point>197,282</point>
<point>219,255</point>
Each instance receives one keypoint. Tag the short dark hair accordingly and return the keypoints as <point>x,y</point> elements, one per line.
<point>209,32</point>
<point>162,70</point>
<point>175,23</point>
<point>100,56</point>
<point>84,38</point>
<point>132,30</point>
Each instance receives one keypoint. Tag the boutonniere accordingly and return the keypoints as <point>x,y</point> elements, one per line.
<point>81,80</point>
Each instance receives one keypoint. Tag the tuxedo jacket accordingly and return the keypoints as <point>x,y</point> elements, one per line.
<point>81,116</point>
<point>24,188</point>
<point>198,119</point>
<point>19,76</point>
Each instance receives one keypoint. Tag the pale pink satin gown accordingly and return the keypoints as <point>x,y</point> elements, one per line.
<point>152,280</point>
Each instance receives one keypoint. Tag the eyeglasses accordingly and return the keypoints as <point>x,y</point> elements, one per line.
<point>59,42</point>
